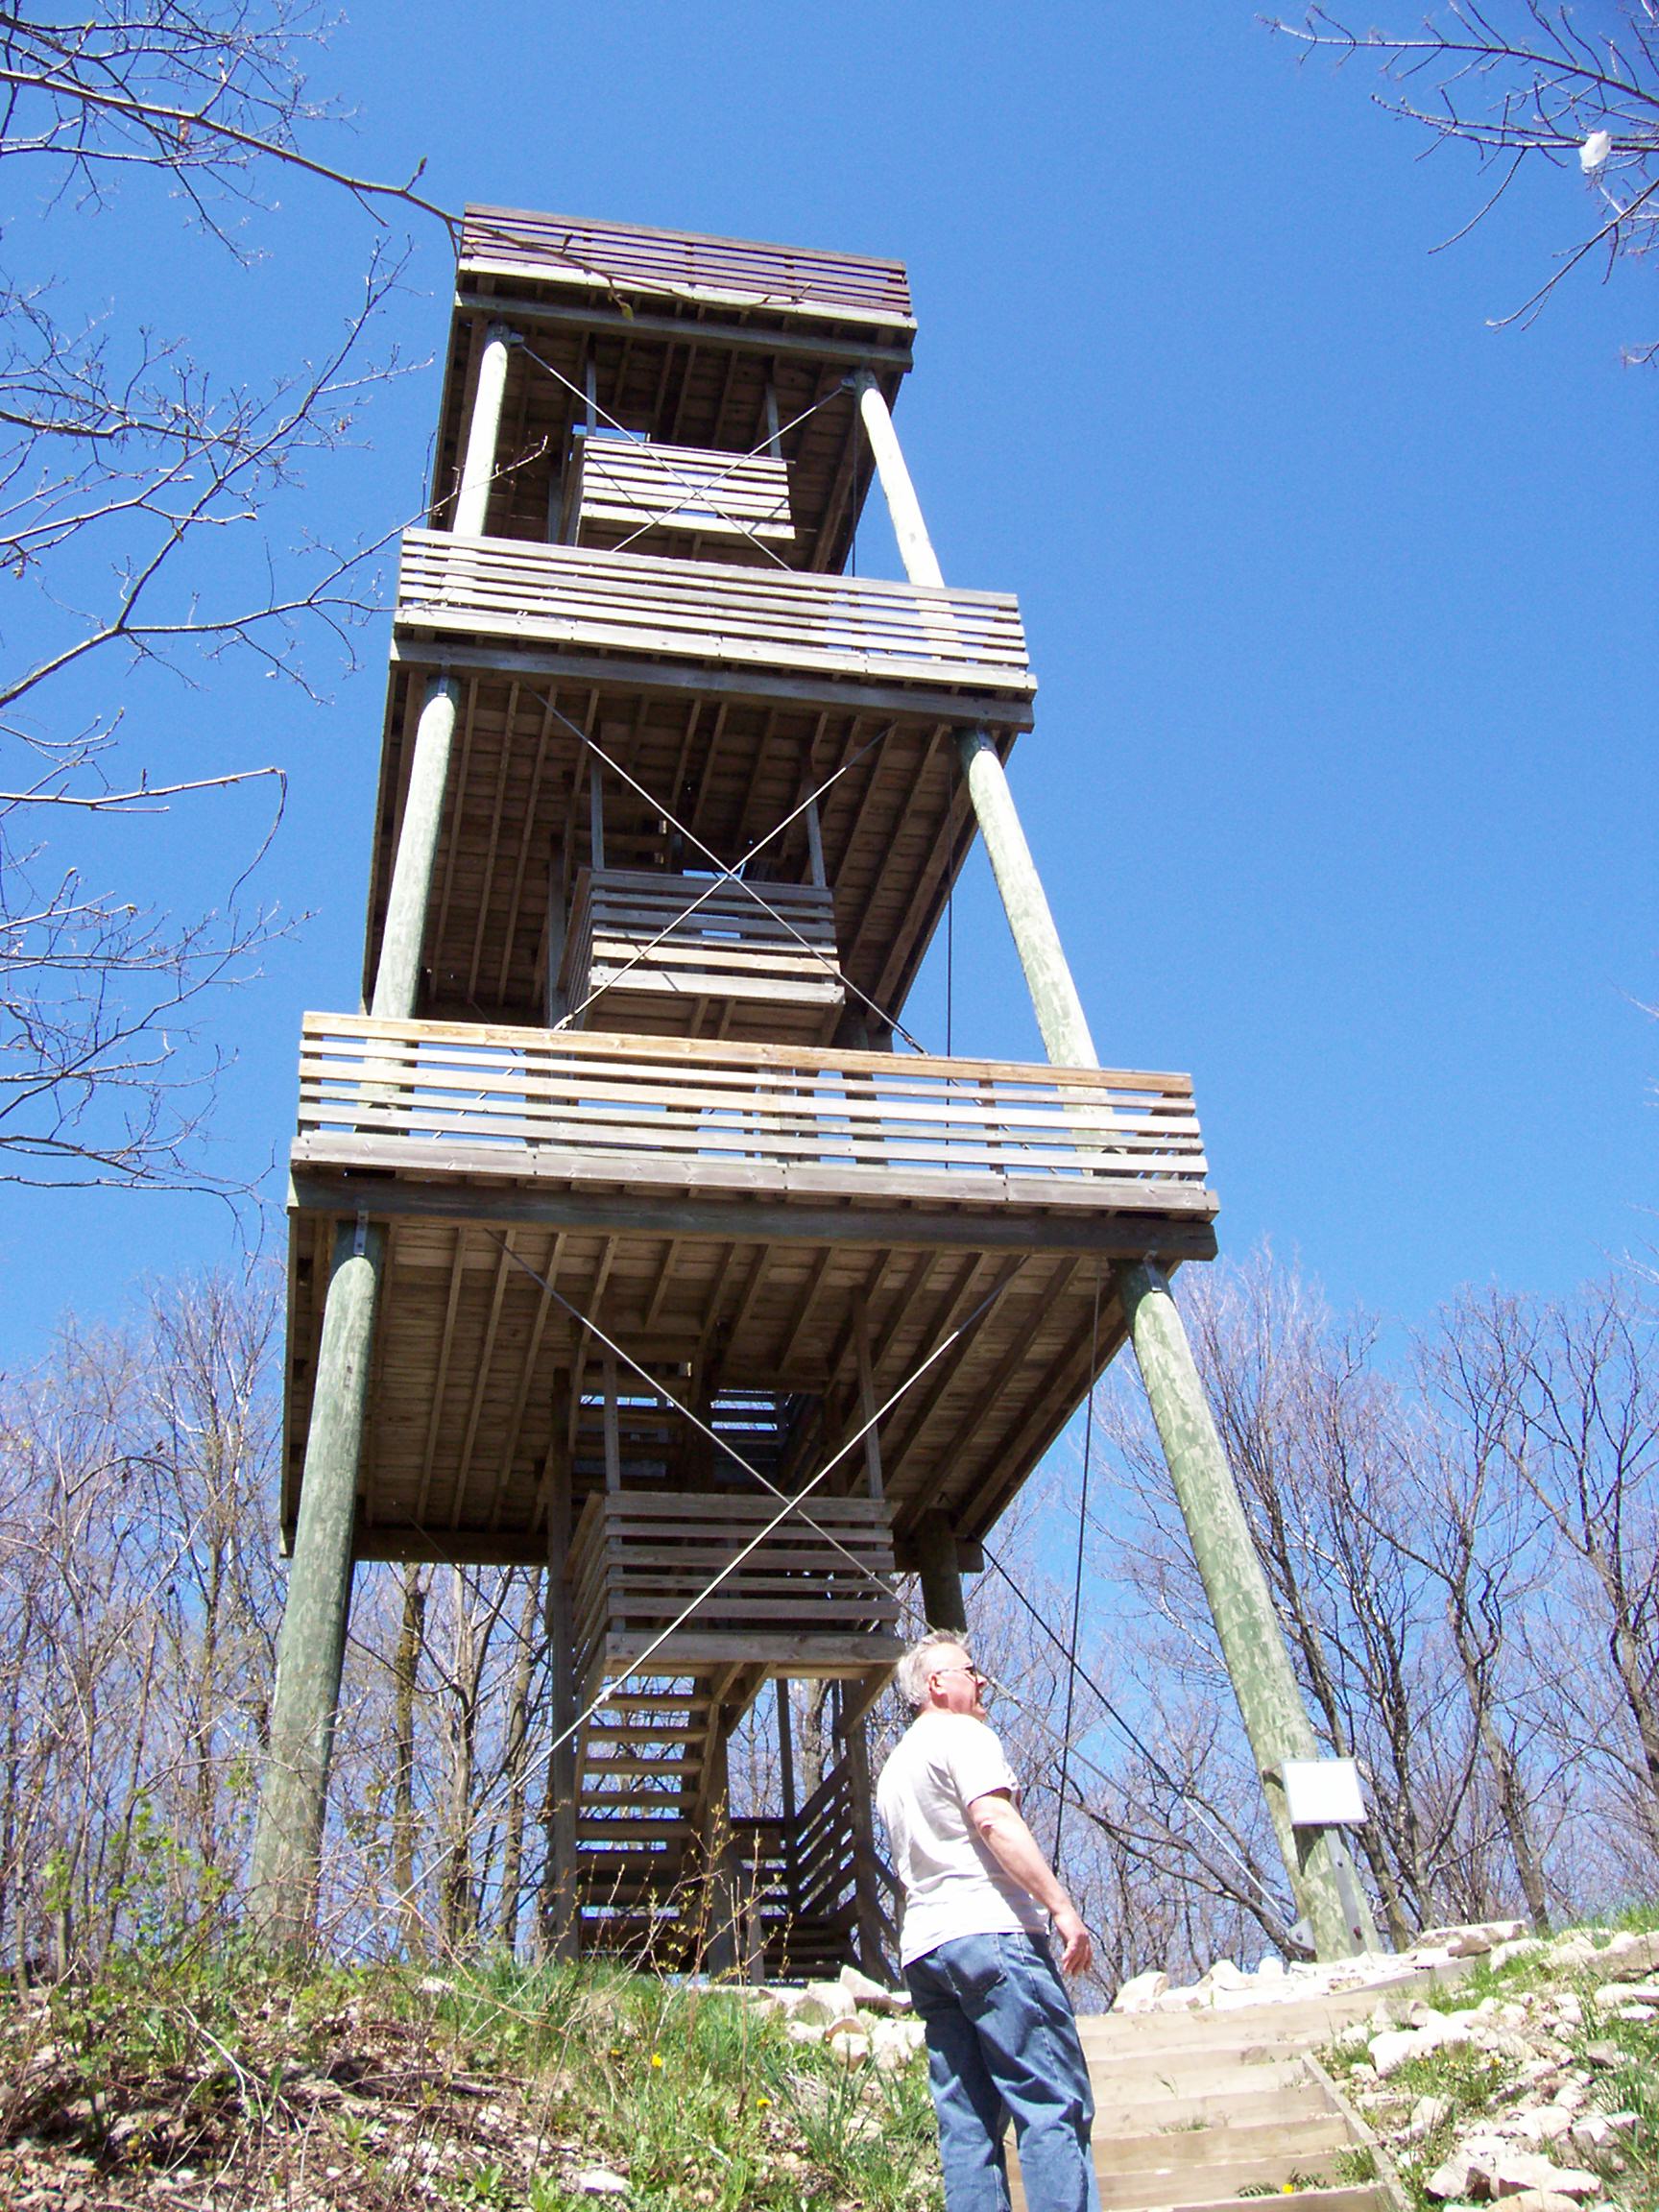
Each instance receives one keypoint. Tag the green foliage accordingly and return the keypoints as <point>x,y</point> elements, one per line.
<point>486,2088</point>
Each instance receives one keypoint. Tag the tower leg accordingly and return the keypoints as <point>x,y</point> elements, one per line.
<point>1322,1875</point>
<point>288,1831</point>
<point>562,1903</point>
<point>866,1892</point>
<point>942,1598</point>
<point>1321,1869</point>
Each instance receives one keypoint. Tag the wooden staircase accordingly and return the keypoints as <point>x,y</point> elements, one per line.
<point>1194,2110</point>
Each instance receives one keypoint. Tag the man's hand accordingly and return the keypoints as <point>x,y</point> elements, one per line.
<point>1077,1945</point>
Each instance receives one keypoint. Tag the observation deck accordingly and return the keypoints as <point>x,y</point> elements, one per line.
<point>817,1225</point>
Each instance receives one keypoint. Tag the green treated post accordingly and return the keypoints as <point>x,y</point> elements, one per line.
<point>397,973</point>
<point>1276,1721</point>
<point>288,1833</point>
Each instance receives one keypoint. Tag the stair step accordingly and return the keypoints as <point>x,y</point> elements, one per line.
<point>1118,2115</point>
<point>1176,2150</point>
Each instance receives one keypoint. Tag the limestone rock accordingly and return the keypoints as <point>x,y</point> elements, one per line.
<point>1470,1938</point>
<point>1427,2114</point>
<point>598,2181</point>
<point>1467,2171</point>
<point>872,1996</point>
<point>1541,2201</point>
<point>1603,2052</point>
<point>1516,2172</point>
<point>894,2043</point>
<point>1390,2051</point>
<point>850,2046</point>
<point>1139,1992</point>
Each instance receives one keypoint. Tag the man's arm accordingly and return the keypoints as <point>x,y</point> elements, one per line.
<point>1011,1843</point>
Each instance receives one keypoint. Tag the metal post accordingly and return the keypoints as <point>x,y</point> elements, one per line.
<point>483,435</point>
<point>397,975</point>
<point>1320,1868</point>
<point>288,1830</point>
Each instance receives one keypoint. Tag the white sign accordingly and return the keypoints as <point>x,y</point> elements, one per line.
<point>1323,1793</point>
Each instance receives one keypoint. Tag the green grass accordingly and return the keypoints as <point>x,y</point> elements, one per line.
<point>488,2088</point>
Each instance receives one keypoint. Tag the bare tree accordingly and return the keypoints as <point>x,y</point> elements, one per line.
<point>1524,83</point>
<point>140,489</point>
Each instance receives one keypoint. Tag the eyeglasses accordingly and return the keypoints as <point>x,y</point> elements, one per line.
<point>983,1680</point>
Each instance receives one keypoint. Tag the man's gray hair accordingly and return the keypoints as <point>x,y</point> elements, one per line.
<point>916,1668</point>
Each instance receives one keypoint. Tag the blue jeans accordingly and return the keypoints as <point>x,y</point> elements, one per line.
<point>1002,2044</point>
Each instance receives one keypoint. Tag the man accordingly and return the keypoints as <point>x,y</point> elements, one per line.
<point>978,1896</point>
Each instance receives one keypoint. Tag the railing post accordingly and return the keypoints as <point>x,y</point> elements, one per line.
<point>311,1647</point>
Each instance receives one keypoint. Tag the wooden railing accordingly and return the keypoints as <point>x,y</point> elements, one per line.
<point>620,485</point>
<point>712,612</point>
<point>801,1870</point>
<point>695,1113</point>
<point>812,1596</point>
<point>625,259</point>
<point>637,934</point>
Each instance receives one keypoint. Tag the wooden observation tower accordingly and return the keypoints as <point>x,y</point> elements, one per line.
<point>626,1215</point>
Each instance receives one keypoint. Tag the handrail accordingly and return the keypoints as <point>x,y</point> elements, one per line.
<point>718,612</point>
<point>696,1110</point>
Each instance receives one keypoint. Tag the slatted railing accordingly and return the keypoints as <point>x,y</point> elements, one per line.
<point>635,934</point>
<point>698,1114</point>
<point>623,484</point>
<point>812,1597</point>
<point>712,612</point>
<point>626,259</point>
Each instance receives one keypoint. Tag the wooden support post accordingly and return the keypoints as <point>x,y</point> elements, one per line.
<point>866,1898</point>
<point>1275,1719</point>
<point>915,547</point>
<point>562,1905</point>
<point>293,1791</point>
<point>867,1401</point>
<point>941,1577</point>
<point>397,975</point>
<point>556,1003</point>
<point>483,435</point>
<point>1059,1010</point>
<point>595,815</point>
<point>612,1423</point>
<point>722,1906</point>
<point>815,845</point>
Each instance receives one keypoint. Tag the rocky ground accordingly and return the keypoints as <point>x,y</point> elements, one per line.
<point>1536,2080</point>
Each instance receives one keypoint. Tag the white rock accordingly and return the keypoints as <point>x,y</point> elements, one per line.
<point>1637,2012</point>
<point>1271,1970</point>
<point>1544,2124</point>
<point>1138,1993</point>
<point>851,2049</point>
<point>804,2032</point>
<point>1224,1973</point>
<point>1467,2171</point>
<point>1540,2201</point>
<point>1626,1993</point>
<point>1519,2170</point>
<point>894,2043</point>
<point>598,2181</point>
<point>1522,1947</point>
<point>1390,2051</point>
<point>1427,2115</point>
<point>873,1996</point>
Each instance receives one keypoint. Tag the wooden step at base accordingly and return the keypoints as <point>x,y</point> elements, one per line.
<point>1180,2150</point>
<point>1118,2115</point>
<point>1367,2196</point>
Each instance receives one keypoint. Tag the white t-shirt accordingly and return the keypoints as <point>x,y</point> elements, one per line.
<point>953,1884</point>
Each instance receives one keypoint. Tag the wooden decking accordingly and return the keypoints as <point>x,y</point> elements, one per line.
<point>673,955</point>
<point>894,815</point>
<point>680,266</point>
<point>690,341</point>
<point>741,1215</point>
<point>776,630</point>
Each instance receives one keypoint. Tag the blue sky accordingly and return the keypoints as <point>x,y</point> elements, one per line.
<point>1342,781</point>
